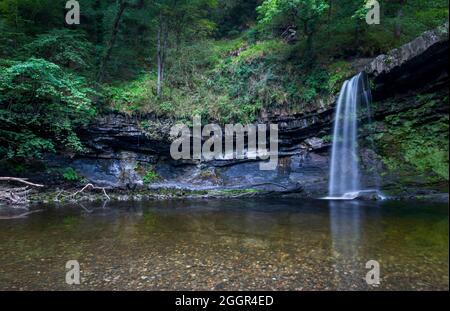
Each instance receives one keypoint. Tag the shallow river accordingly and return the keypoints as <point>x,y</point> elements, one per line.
<point>253,244</point>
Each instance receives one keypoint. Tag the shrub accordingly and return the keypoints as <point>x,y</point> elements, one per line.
<point>64,47</point>
<point>150,177</point>
<point>71,175</point>
<point>40,107</point>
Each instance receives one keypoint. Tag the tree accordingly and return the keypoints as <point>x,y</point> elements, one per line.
<point>121,7</point>
<point>178,19</point>
<point>234,16</point>
<point>40,107</point>
<point>304,14</point>
<point>64,47</point>
<point>32,17</point>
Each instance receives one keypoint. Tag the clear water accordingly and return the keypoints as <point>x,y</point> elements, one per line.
<point>258,244</point>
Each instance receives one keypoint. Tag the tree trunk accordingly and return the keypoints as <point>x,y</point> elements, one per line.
<point>398,24</point>
<point>159,58</point>
<point>161,49</point>
<point>123,5</point>
<point>112,40</point>
<point>330,11</point>
<point>164,54</point>
<point>309,40</point>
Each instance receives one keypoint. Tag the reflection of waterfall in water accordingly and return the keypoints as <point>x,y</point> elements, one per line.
<point>344,173</point>
<point>345,223</point>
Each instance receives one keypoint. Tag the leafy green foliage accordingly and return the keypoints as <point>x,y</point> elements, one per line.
<point>40,106</point>
<point>148,173</point>
<point>66,48</point>
<point>232,16</point>
<point>150,177</point>
<point>304,14</point>
<point>71,175</point>
<point>23,15</point>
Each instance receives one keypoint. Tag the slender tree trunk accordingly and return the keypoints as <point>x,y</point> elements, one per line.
<point>164,54</point>
<point>159,57</point>
<point>112,40</point>
<point>98,22</point>
<point>330,11</point>
<point>309,41</point>
<point>309,47</point>
<point>161,49</point>
<point>398,24</point>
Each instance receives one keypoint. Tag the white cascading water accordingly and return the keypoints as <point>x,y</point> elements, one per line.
<point>344,173</point>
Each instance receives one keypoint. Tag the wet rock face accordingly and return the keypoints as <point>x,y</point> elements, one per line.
<point>116,132</point>
<point>419,62</point>
<point>120,172</point>
<point>385,63</point>
<point>118,144</point>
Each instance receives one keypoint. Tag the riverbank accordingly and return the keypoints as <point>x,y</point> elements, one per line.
<point>91,196</point>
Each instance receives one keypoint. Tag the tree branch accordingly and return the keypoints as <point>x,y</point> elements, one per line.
<point>73,195</point>
<point>20,180</point>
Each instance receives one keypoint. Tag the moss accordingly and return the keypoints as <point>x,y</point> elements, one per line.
<point>339,72</point>
<point>415,142</point>
<point>234,192</point>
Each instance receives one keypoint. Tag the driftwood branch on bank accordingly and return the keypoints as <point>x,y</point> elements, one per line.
<point>21,180</point>
<point>72,196</point>
<point>16,196</point>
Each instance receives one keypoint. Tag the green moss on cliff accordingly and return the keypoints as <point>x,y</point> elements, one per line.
<point>415,142</point>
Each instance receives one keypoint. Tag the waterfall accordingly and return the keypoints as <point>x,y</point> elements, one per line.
<point>345,178</point>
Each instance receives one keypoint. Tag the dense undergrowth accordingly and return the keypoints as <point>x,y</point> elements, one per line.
<point>231,81</point>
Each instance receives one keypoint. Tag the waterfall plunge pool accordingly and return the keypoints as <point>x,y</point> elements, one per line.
<point>258,244</point>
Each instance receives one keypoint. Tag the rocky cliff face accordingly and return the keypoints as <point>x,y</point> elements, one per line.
<point>127,152</point>
<point>412,66</point>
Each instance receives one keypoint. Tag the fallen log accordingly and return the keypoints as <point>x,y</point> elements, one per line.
<point>19,195</point>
